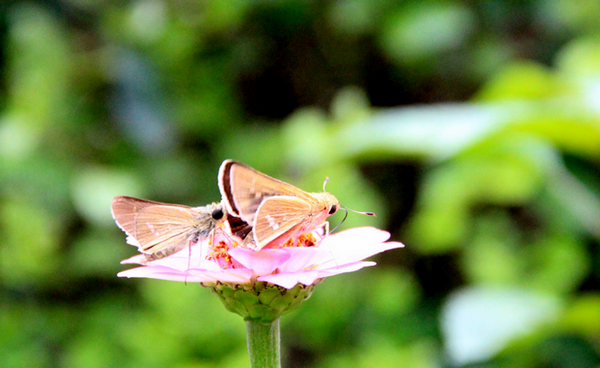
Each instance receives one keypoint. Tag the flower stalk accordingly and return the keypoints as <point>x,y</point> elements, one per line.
<point>263,344</point>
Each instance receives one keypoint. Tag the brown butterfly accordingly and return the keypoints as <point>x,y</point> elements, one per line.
<point>162,229</point>
<point>275,209</point>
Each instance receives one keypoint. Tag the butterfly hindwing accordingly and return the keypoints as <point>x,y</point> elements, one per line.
<point>278,218</point>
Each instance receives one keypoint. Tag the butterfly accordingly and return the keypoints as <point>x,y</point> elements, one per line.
<point>161,229</point>
<point>276,210</point>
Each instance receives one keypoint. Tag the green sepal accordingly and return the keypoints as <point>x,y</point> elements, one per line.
<point>260,302</point>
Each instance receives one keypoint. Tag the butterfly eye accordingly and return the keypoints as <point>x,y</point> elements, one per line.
<point>217,214</point>
<point>333,209</point>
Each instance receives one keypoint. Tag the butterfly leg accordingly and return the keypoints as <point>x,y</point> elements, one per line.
<point>324,230</point>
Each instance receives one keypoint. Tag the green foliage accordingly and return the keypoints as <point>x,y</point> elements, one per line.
<point>496,197</point>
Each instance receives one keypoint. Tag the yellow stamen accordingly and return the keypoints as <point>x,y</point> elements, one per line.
<point>220,253</point>
<point>304,240</point>
<point>307,240</point>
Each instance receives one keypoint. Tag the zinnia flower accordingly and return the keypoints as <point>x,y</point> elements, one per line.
<point>263,285</point>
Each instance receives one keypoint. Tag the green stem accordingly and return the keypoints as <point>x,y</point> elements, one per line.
<point>263,344</point>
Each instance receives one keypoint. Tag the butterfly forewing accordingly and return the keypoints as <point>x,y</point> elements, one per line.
<point>162,229</point>
<point>244,189</point>
<point>159,227</point>
<point>125,209</point>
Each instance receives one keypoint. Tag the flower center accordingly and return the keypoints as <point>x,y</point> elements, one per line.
<point>220,254</point>
<point>304,240</point>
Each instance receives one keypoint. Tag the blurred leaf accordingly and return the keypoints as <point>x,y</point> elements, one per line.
<point>21,344</point>
<point>306,138</point>
<point>205,104</point>
<point>580,58</point>
<point>577,15</point>
<point>174,304</point>
<point>97,253</point>
<point>352,190</point>
<point>571,131</point>
<point>499,171</point>
<point>259,147</point>
<point>94,188</point>
<point>523,81</point>
<point>434,132</point>
<point>91,350</point>
<point>29,253</point>
<point>558,264</point>
<point>314,325</point>
<point>40,63</point>
<point>17,140</point>
<point>583,316</point>
<point>420,354</point>
<point>476,326</point>
<point>575,202</point>
<point>391,293</point>
<point>350,105</point>
<point>423,30</point>
<point>138,105</point>
<point>183,179</point>
<point>146,20</point>
<point>353,17</point>
<point>221,16</point>
<point>41,180</point>
<point>489,55</point>
<point>493,256</point>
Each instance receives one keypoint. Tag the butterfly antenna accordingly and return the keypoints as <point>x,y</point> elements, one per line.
<point>325,183</point>
<point>362,213</point>
<point>346,215</point>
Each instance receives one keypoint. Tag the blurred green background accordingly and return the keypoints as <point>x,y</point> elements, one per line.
<point>472,129</point>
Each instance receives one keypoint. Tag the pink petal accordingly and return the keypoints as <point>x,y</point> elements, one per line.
<point>157,272</point>
<point>302,258</point>
<point>238,276</point>
<point>182,261</point>
<point>263,262</point>
<point>364,234</point>
<point>290,279</point>
<point>241,276</point>
<point>350,267</point>
<point>356,244</point>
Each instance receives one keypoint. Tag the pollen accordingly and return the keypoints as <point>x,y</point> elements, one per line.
<point>304,240</point>
<point>288,243</point>
<point>220,254</point>
<point>307,240</point>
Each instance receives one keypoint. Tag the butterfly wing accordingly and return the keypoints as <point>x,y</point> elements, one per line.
<point>164,227</point>
<point>159,226</point>
<point>279,218</point>
<point>125,209</point>
<point>244,189</point>
<point>238,226</point>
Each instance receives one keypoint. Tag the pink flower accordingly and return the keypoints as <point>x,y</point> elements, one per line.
<point>286,266</point>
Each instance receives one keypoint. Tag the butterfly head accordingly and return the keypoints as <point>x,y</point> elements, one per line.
<point>329,203</point>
